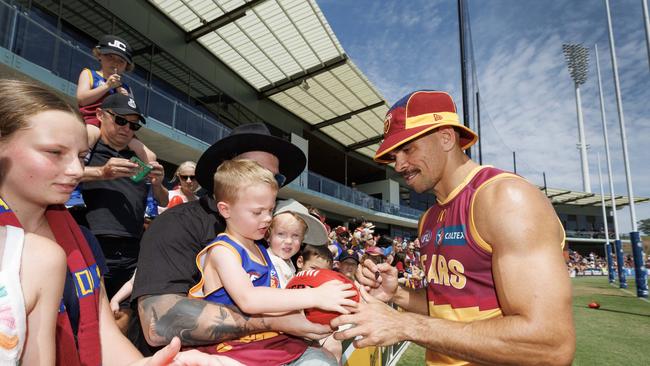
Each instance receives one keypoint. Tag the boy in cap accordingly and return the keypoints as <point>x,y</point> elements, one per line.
<point>236,269</point>
<point>478,244</point>
<point>348,263</point>
<point>114,56</point>
<point>292,225</point>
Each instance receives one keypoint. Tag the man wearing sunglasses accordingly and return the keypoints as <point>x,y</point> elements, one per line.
<point>115,202</point>
<point>167,265</point>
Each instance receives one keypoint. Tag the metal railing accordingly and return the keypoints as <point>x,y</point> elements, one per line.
<point>40,44</point>
<point>332,188</point>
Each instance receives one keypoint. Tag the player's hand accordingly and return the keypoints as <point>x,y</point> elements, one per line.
<point>375,323</point>
<point>297,324</point>
<point>157,173</point>
<point>118,168</point>
<point>335,296</point>
<point>114,81</point>
<point>379,279</point>
<point>123,91</point>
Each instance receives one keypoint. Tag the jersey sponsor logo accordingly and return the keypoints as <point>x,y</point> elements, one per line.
<point>451,236</point>
<point>445,272</point>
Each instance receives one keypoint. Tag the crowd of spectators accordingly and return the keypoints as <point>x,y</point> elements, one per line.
<point>594,265</point>
<point>359,241</point>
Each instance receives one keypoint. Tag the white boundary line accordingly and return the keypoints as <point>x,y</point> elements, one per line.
<point>629,292</point>
<point>397,355</point>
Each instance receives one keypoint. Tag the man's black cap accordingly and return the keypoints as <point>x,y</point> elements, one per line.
<point>122,105</point>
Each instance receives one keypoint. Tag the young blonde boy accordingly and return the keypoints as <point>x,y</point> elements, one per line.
<point>236,270</point>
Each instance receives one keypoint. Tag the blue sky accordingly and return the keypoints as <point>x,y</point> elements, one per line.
<point>528,100</point>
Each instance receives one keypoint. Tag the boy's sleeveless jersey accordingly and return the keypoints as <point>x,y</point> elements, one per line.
<point>88,112</point>
<point>12,305</point>
<point>457,262</point>
<point>266,348</point>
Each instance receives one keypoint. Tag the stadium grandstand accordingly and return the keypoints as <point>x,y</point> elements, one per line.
<point>204,67</point>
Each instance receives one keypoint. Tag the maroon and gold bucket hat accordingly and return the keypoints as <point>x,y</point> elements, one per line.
<point>416,114</point>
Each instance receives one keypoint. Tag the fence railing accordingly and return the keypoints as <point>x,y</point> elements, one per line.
<point>40,43</point>
<point>332,188</point>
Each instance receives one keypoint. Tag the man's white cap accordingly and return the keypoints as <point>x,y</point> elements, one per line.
<point>316,233</point>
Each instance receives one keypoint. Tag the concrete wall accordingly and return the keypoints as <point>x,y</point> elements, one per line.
<point>389,189</point>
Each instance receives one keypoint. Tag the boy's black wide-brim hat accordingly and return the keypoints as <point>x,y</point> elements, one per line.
<point>244,138</point>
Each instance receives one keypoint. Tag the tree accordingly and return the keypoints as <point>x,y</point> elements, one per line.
<point>644,225</point>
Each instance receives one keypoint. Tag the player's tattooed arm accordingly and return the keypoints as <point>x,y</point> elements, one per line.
<point>195,321</point>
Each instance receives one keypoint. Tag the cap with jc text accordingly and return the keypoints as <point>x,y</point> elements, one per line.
<point>122,105</point>
<point>316,233</point>
<point>416,114</point>
<point>110,44</point>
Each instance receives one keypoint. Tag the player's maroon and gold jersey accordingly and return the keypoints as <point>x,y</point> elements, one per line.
<point>457,261</point>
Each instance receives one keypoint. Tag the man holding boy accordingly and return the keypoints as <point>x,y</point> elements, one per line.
<point>167,270</point>
<point>115,203</point>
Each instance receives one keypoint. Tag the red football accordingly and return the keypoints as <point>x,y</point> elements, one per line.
<point>594,305</point>
<point>315,278</point>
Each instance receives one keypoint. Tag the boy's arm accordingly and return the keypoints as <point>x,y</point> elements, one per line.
<point>156,176</point>
<point>142,151</point>
<point>258,300</point>
<point>86,95</point>
<point>122,294</point>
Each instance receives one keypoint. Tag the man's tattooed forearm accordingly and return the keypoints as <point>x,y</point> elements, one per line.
<point>182,320</point>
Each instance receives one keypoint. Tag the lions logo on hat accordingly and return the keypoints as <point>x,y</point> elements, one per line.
<point>389,116</point>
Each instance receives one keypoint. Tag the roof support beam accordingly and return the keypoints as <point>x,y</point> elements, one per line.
<point>586,195</point>
<point>221,21</point>
<point>558,194</point>
<point>607,201</point>
<point>364,143</point>
<point>346,116</point>
<point>297,78</point>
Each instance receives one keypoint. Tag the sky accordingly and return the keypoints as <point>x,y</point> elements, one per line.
<point>528,102</point>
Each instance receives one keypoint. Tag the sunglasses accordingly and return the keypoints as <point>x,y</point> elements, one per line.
<point>186,177</point>
<point>281,179</point>
<point>121,121</point>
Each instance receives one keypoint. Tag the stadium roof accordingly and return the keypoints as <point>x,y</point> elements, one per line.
<point>288,52</point>
<point>576,198</point>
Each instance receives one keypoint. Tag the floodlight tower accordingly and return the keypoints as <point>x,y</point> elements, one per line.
<point>577,58</point>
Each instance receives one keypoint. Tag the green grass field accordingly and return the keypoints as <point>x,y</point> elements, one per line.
<point>616,334</point>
